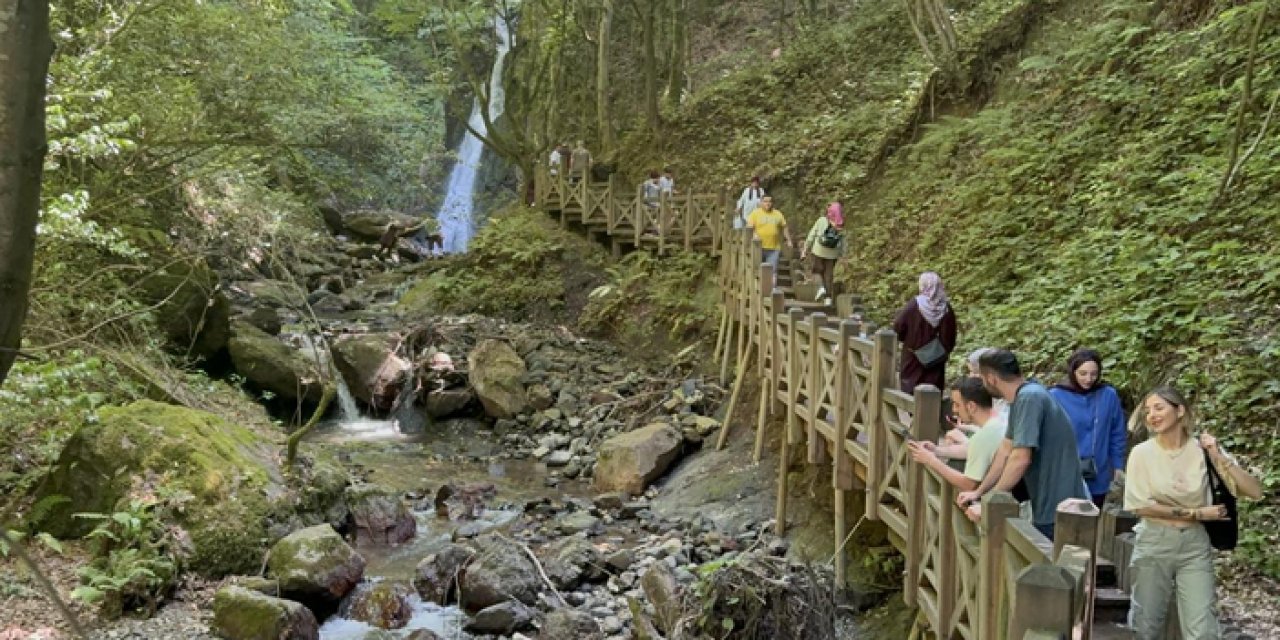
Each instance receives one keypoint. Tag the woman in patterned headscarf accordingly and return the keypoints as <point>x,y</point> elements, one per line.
<point>926,327</point>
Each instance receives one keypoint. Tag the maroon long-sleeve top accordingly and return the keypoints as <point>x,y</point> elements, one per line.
<point>915,332</point>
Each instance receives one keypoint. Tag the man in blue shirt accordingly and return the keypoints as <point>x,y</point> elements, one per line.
<point>1039,446</point>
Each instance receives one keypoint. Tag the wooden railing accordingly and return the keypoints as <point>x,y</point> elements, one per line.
<point>832,381</point>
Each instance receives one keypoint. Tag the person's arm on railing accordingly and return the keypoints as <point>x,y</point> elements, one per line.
<point>921,454</point>
<point>994,473</point>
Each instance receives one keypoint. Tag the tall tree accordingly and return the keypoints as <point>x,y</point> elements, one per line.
<point>647,13</point>
<point>679,48</point>
<point>604,115</point>
<point>25,48</point>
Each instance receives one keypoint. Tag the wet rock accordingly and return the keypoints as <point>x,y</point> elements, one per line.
<point>423,634</point>
<point>273,365</point>
<point>380,515</point>
<point>570,561</point>
<point>383,604</point>
<point>372,371</point>
<point>563,624</point>
<point>662,590</point>
<point>500,571</point>
<point>448,402</point>
<point>502,619</point>
<point>315,566</point>
<point>242,614</point>
<point>630,461</point>
<point>437,576</point>
<point>497,374</point>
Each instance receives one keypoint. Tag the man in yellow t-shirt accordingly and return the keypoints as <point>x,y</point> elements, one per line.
<point>770,225</point>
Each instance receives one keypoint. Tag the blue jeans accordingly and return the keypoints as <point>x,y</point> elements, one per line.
<point>771,257</point>
<point>1046,529</point>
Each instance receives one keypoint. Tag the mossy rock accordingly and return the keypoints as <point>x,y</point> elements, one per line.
<point>242,614</point>
<point>273,365</point>
<point>316,567</point>
<point>497,374</point>
<point>225,467</point>
<point>194,314</point>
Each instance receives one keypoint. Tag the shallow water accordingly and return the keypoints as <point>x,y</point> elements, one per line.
<point>445,621</point>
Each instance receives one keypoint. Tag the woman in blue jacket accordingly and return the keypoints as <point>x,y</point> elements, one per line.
<point>1099,421</point>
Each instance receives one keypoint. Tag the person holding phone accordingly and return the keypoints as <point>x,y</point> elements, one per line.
<point>974,404</point>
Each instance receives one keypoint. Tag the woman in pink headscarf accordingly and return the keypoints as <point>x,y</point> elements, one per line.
<point>826,242</point>
<point>926,327</point>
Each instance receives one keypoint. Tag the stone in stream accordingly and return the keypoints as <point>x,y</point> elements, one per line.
<point>315,566</point>
<point>497,374</point>
<point>540,397</point>
<point>436,578</point>
<point>563,624</point>
<point>500,571</point>
<point>662,590</point>
<point>447,402</point>
<point>273,365</point>
<point>382,604</point>
<point>501,619</point>
<point>630,461</point>
<point>570,561</point>
<point>243,614</point>
<point>370,367</point>
<point>577,522</point>
<point>380,515</point>
<point>423,634</point>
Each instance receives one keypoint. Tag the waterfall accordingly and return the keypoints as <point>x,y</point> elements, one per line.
<point>347,403</point>
<point>455,216</point>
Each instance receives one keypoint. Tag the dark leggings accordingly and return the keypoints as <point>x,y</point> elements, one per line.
<point>824,268</point>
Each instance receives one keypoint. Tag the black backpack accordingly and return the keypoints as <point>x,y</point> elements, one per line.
<point>831,237</point>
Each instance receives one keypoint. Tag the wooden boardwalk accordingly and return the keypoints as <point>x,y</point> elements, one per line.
<point>831,379</point>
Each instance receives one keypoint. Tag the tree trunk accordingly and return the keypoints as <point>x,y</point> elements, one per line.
<point>648,20</point>
<point>679,45</point>
<point>604,116</point>
<point>25,48</point>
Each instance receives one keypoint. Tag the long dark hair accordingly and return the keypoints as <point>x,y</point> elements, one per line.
<point>1077,359</point>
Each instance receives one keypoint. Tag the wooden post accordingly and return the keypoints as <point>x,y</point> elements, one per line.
<point>924,426</point>
<point>877,446</point>
<point>948,569</point>
<point>1043,602</point>
<point>688,221</point>
<point>997,509</point>
<point>758,309</point>
<point>816,448</point>
<point>777,306</point>
<point>1076,524</point>
<point>792,359</point>
<point>842,471</point>
<point>743,366</point>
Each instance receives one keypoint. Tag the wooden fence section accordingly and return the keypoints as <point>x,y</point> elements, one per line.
<point>833,380</point>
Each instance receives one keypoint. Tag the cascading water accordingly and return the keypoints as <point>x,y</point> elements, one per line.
<point>455,217</point>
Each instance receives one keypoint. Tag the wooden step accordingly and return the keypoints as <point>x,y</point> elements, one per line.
<point>1106,574</point>
<point>1110,605</point>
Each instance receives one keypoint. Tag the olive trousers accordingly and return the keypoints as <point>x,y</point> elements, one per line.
<point>1173,564</point>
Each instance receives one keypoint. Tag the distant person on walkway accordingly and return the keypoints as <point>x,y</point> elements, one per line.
<point>667,182</point>
<point>749,201</point>
<point>770,226</point>
<point>826,242</point>
<point>1039,445</point>
<point>973,405</point>
<point>559,158</point>
<point>579,162</point>
<point>1167,486</point>
<point>926,327</point>
<point>651,190</point>
<point>1098,419</point>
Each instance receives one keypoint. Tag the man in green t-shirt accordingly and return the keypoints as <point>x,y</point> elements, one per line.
<point>1039,445</point>
<point>973,405</point>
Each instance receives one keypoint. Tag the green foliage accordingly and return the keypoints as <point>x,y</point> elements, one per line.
<point>649,297</point>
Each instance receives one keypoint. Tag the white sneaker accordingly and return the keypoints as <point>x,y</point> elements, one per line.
<point>822,293</point>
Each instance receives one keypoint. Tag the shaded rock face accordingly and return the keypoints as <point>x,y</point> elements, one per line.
<point>195,315</point>
<point>223,465</point>
<point>316,567</point>
<point>570,561</point>
<point>368,224</point>
<point>372,371</point>
<point>448,402</point>
<point>383,604</point>
<point>273,365</point>
<point>500,572</point>
<point>380,515</point>
<point>243,614</point>
<point>501,619</point>
<point>437,576</point>
<point>630,461</point>
<point>265,318</point>
<point>570,623</point>
<point>497,374</point>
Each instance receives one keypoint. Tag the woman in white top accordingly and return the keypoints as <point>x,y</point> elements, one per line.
<point>1167,486</point>
<point>749,201</point>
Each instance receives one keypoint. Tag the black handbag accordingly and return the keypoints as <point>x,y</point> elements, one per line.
<point>1222,533</point>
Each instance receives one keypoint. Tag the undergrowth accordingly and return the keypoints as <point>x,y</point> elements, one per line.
<point>650,299</point>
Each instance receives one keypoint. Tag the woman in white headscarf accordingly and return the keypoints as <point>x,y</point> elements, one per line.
<point>926,327</point>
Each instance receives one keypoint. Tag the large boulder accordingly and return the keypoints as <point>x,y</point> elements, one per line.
<point>501,571</point>
<point>243,614</point>
<point>436,578</point>
<point>630,461</point>
<point>315,566</point>
<point>273,365</point>
<point>497,375</point>
<point>501,619</point>
<point>570,561</point>
<point>570,623</point>
<point>382,604</point>
<point>448,402</point>
<point>368,224</point>
<point>193,314</point>
<point>380,515</point>
<point>373,372</point>
<point>226,468</point>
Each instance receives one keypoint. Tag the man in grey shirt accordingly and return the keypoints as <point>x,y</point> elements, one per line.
<point>1039,446</point>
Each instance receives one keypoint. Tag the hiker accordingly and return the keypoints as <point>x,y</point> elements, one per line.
<point>973,404</point>
<point>667,182</point>
<point>770,226</point>
<point>1167,486</point>
<point>651,191</point>
<point>579,162</point>
<point>391,237</point>
<point>749,201</point>
<point>826,242</point>
<point>431,236</point>
<point>1039,445</point>
<point>1098,419</point>
<point>557,158</point>
<point>926,327</point>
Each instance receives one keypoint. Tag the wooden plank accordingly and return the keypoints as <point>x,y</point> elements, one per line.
<point>997,509</point>
<point>1076,525</point>
<point>1044,601</point>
